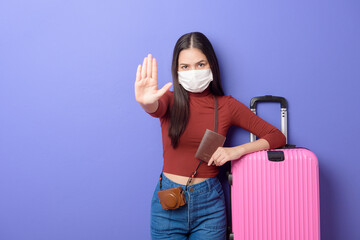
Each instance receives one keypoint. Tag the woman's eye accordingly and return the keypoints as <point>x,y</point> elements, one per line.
<point>183,67</point>
<point>201,65</point>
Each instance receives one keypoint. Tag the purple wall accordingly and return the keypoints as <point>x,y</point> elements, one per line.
<point>79,159</point>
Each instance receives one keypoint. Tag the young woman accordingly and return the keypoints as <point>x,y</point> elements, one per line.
<point>185,114</point>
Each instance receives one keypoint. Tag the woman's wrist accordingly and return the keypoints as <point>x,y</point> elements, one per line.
<point>258,145</point>
<point>239,151</point>
<point>150,108</point>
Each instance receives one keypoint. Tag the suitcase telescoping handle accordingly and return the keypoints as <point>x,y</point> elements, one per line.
<point>283,111</point>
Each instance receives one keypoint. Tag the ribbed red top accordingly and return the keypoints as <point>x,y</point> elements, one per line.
<point>181,160</point>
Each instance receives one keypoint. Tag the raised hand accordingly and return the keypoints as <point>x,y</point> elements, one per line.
<point>146,84</point>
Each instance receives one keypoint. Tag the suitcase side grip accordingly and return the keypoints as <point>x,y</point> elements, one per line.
<point>276,156</point>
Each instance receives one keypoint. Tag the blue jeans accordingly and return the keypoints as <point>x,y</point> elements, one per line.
<point>202,217</point>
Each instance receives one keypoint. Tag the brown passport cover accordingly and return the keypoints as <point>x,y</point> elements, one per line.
<point>208,145</point>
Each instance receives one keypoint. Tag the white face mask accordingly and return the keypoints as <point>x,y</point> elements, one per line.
<point>195,81</point>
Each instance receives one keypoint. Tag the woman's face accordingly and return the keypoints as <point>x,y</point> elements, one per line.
<point>192,59</point>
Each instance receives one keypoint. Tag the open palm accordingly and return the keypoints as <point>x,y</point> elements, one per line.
<point>146,84</point>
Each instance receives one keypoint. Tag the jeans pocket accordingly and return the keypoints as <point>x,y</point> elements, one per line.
<point>160,221</point>
<point>216,211</point>
<point>160,218</point>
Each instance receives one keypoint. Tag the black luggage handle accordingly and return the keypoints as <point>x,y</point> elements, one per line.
<point>268,98</point>
<point>283,111</point>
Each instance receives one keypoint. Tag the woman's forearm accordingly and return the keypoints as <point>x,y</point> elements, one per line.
<point>251,147</point>
<point>224,154</point>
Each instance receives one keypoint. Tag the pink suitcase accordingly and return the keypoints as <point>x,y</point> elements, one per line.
<point>275,193</point>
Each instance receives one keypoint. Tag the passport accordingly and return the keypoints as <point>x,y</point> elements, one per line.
<point>208,145</point>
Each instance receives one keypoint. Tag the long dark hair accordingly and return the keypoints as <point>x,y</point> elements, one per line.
<point>179,112</point>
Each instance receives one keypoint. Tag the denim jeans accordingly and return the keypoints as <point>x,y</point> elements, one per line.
<point>202,217</point>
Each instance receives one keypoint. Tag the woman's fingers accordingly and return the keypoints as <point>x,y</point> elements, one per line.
<point>149,67</point>
<point>213,158</point>
<point>154,70</point>
<point>221,161</point>
<point>163,90</point>
<point>219,158</point>
<point>211,161</point>
<point>138,73</point>
<point>144,68</point>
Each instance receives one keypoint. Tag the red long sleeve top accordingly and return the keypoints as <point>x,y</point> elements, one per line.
<point>181,160</point>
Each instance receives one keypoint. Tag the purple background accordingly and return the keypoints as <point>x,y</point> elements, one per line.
<point>79,158</point>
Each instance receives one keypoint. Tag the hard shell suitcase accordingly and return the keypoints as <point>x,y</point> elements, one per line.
<point>275,193</point>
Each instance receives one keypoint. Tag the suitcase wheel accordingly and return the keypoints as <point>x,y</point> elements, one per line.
<point>231,236</point>
<point>230,179</point>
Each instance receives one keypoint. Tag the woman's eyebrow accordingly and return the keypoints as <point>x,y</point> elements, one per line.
<point>203,60</point>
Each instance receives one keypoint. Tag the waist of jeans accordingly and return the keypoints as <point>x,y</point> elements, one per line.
<point>204,186</point>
